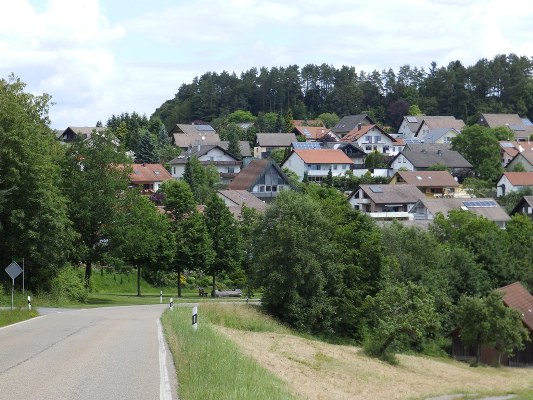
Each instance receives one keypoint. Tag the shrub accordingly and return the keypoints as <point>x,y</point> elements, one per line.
<point>69,285</point>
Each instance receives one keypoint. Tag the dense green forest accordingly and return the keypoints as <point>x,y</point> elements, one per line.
<point>501,85</point>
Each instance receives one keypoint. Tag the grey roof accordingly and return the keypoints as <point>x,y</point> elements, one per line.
<point>350,122</point>
<point>275,139</point>
<point>436,134</point>
<point>199,151</point>
<point>425,155</point>
<point>244,146</point>
<point>239,198</point>
<point>495,120</point>
<point>495,213</point>
<point>184,140</point>
<point>247,178</point>
<point>440,121</point>
<point>392,194</point>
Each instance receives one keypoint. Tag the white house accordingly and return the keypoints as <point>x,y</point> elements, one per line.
<point>371,138</point>
<point>513,182</point>
<point>317,163</point>
<point>227,165</point>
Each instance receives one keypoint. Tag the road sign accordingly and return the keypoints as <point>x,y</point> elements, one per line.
<point>13,270</point>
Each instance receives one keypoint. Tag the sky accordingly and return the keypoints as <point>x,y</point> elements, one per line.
<point>97,58</point>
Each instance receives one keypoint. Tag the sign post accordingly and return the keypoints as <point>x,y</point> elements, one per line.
<point>13,270</point>
<point>195,318</point>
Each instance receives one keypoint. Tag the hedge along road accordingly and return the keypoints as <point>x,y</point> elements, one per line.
<point>101,353</point>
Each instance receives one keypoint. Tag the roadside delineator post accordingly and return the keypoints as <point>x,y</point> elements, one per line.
<point>161,297</point>
<point>29,303</point>
<point>171,303</point>
<point>195,318</point>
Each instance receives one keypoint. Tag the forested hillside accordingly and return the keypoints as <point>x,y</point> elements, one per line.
<point>501,85</point>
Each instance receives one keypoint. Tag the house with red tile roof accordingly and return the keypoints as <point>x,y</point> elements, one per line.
<point>148,176</point>
<point>513,182</point>
<point>314,133</point>
<point>517,297</point>
<point>317,163</point>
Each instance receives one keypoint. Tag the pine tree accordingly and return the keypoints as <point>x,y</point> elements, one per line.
<point>146,152</point>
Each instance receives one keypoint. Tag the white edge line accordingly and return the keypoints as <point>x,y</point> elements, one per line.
<point>22,322</point>
<point>165,393</point>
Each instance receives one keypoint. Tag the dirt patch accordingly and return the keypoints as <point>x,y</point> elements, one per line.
<point>316,370</point>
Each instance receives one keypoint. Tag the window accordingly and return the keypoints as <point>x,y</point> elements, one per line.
<point>369,148</point>
<point>274,188</point>
<point>268,188</point>
<point>343,166</point>
<point>211,158</point>
<point>378,139</point>
<point>368,139</point>
<point>334,167</point>
<point>231,170</point>
<point>261,188</point>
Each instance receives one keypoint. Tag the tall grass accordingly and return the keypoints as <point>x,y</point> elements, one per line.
<point>210,366</point>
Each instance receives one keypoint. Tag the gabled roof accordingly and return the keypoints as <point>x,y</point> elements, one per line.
<point>519,178</point>
<point>201,150</point>
<point>356,134</point>
<point>413,121</point>
<point>436,134</point>
<point>517,297</point>
<point>146,173</point>
<point>491,211</point>
<point>425,155</point>
<point>194,129</point>
<point>436,122</point>
<point>428,178</point>
<point>322,156</point>
<point>253,172</point>
<point>526,154</point>
<point>84,132</point>
<point>346,147</point>
<point>525,201</point>
<point>496,120</point>
<point>185,140</point>
<point>244,146</point>
<point>236,199</point>
<point>350,122</point>
<point>312,132</point>
<point>275,139</point>
<point>391,194</point>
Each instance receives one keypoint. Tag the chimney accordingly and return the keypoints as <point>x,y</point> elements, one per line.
<point>359,127</point>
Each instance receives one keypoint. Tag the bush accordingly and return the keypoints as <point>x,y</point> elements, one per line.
<point>69,285</point>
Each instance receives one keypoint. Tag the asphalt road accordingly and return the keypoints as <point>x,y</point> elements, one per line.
<point>96,354</point>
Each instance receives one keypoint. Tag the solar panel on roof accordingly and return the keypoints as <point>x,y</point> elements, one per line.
<point>507,144</point>
<point>413,141</point>
<point>204,128</point>
<point>480,203</point>
<point>306,145</point>
<point>412,119</point>
<point>376,189</point>
<point>517,127</point>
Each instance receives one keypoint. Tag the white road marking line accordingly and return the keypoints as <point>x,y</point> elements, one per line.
<point>165,393</point>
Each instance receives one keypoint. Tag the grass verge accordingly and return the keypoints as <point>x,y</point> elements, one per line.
<point>8,317</point>
<point>210,366</point>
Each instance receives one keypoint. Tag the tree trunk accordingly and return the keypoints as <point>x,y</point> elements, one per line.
<point>478,353</point>
<point>88,270</point>
<point>179,283</point>
<point>139,281</point>
<point>214,286</point>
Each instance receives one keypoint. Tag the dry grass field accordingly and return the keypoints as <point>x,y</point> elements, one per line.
<point>317,370</point>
